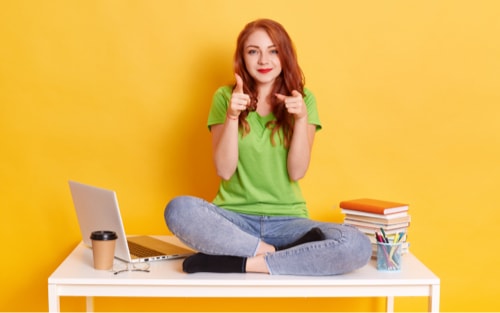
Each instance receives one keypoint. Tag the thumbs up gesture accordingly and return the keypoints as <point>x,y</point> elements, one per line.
<point>239,100</point>
<point>294,104</point>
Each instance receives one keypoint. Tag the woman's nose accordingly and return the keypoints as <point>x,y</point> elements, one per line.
<point>263,59</point>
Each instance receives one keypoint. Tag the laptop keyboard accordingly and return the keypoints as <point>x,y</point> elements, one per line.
<point>141,251</point>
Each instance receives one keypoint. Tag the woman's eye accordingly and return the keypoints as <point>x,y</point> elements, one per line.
<point>252,51</point>
<point>274,51</point>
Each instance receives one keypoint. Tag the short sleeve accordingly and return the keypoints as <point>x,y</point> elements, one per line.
<point>220,103</point>
<point>312,109</point>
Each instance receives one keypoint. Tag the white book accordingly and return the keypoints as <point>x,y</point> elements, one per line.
<point>383,216</point>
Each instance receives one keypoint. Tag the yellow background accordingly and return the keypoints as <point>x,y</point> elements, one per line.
<point>116,94</point>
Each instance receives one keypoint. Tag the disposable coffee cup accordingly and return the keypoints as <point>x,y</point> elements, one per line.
<point>103,248</point>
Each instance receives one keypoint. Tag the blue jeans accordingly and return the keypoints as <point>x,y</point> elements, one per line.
<point>212,230</point>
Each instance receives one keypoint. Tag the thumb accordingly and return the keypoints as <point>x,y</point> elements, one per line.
<point>295,93</point>
<point>239,84</point>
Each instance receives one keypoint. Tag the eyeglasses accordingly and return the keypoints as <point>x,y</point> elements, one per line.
<point>130,267</point>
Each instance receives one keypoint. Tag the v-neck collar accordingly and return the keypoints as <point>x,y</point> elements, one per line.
<point>258,122</point>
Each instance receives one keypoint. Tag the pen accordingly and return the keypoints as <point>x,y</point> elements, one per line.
<point>379,237</point>
<point>388,258</point>
<point>384,236</point>
<point>401,235</point>
<point>391,252</point>
<point>395,238</point>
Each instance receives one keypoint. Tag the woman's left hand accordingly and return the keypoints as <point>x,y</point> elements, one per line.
<point>294,104</point>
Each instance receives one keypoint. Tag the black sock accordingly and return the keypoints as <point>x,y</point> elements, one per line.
<point>315,234</point>
<point>201,262</point>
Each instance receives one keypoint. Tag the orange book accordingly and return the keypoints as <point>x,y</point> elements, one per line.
<point>374,206</point>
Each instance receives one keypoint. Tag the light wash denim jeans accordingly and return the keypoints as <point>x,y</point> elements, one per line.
<point>212,230</point>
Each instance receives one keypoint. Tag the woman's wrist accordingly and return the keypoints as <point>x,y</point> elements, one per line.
<point>302,119</point>
<point>232,117</point>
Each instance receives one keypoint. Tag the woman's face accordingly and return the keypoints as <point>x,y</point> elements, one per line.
<point>261,58</point>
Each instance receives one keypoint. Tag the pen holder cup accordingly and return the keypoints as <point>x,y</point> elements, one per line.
<point>389,256</point>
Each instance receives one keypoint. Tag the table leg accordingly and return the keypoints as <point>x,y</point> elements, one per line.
<point>54,305</point>
<point>434,298</point>
<point>389,304</point>
<point>89,301</point>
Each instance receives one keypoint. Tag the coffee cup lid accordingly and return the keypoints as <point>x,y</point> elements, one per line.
<point>103,235</point>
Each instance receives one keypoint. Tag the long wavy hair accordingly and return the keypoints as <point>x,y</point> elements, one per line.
<point>291,77</point>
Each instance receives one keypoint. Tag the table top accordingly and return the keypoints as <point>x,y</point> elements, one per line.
<point>77,269</point>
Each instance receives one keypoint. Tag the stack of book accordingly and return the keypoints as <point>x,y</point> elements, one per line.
<point>373,216</point>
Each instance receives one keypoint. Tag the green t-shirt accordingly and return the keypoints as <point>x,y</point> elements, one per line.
<point>260,185</point>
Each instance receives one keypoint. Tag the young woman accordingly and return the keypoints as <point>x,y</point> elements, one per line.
<point>262,135</point>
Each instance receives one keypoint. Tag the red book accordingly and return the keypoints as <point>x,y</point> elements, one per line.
<point>374,206</point>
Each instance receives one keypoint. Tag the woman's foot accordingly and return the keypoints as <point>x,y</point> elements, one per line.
<point>315,234</point>
<point>201,262</point>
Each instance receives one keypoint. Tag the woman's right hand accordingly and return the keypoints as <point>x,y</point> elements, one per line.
<point>239,100</point>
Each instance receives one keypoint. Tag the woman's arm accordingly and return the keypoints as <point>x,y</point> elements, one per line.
<point>299,154</point>
<point>225,148</point>
<point>225,136</point>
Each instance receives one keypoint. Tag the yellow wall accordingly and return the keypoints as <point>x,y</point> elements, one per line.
<point>116,93</point>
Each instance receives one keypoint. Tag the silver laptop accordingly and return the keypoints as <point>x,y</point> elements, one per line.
<point>97,209</point>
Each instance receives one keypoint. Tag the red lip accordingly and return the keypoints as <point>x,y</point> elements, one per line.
<point>264,70</point>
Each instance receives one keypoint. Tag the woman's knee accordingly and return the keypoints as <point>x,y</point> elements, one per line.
<point>178,210</point>
<point>352,250</point>
<point>363,247</point>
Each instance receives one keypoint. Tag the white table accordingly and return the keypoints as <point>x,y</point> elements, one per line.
<point>76,277</point>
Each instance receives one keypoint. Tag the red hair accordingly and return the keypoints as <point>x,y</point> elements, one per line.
<point>291,76</point>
